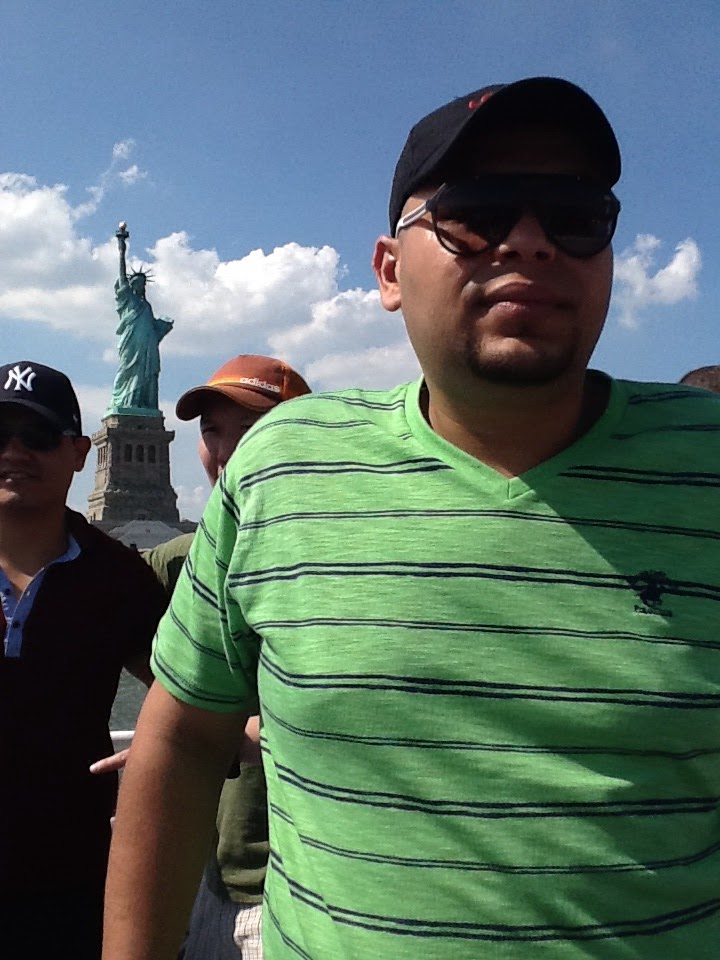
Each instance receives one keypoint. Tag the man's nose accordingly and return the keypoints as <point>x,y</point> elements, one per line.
<point>14,447</point>
<point>527,241</point>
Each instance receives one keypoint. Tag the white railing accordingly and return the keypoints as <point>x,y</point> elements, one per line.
<point>121,739</point>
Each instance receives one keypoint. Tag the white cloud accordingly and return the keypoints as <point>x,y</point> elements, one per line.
<point>122,149</point>
<point>132,175</point>
<point>638,288</point>
<point>287,301</point>
<point>213,300</point>
<point>191,500</point>
<point>376,368</point>
<point>93,403</point>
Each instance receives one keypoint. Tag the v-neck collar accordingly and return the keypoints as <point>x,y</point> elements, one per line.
<point>511,488</point>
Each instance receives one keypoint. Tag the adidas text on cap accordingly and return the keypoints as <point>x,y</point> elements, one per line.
<point>252,381</point>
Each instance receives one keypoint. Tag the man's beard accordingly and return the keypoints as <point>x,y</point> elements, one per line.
<point>518,371</point>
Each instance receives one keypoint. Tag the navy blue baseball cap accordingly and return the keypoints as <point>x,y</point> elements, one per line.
<point>42,389</point>
<point>432,142</point>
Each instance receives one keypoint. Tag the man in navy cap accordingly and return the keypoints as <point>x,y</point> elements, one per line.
<point>76,606</point>
<point>480,611</point>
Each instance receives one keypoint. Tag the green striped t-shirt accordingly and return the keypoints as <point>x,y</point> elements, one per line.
<point>490,705</point>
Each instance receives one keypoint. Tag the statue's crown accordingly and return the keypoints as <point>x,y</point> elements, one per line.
<point>140,271</point>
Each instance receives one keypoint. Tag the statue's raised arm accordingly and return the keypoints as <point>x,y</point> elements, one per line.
<point>135,390</point>
<point>122,237</point>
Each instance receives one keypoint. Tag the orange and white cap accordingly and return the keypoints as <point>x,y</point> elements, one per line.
<point>255,382</point>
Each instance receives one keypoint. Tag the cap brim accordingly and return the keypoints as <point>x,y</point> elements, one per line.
<point>190,404</point>
<point>40,410</point>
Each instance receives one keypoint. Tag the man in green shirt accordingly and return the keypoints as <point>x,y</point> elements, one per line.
<point>225,922</point>
<point>480,612</point>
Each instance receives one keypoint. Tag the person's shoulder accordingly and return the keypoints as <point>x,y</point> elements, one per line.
<point>671,403</point>
<point>321,415</point>
<point>668,428</point>
<point>331,404</point>
<point>177,548</point>
<point>333,409</point>
<point>332,425</point>
<point>166,559</point>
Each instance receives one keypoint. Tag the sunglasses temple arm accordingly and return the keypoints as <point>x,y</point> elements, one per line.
<point>410,218</point>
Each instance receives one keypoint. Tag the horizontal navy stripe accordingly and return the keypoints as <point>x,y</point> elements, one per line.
<point>206,533</point>
<point>192,690</point>
<point>203,590</point>
<point>631,475</point>
<point>311,422</point>
<point>201,648</point>
<point>474,866</point>
<point>514,515</point>
<point>439,686</point>
<point>287,940</point>
<point>331,467</point>
<point>359,402</point>
<point>487,571</point>
<point>463,930</point>
<point>660,397</point>
<point>420,743</point>
<point>684,428</point>
<point>228,504</point>
<point>651,806</point>
<point>672,474</point>
<point>219,562</point>
<point>484,629</point>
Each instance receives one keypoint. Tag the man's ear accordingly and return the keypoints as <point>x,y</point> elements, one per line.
<point>82,449</point>
<point>385,268</point>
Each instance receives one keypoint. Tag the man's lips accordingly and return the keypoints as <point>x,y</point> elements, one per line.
<point>523,294</point>
<point>16,475</point>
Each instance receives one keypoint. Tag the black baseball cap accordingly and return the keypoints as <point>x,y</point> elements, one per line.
<point>434,139</point>
<point>44,390</point>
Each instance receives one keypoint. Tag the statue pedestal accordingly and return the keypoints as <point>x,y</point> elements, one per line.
<point>132,477</point>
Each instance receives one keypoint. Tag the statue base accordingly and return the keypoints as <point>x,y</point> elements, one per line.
<point>131,412</point>
<point>132,476</point>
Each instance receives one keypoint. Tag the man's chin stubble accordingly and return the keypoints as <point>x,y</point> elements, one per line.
<point>518,372</point>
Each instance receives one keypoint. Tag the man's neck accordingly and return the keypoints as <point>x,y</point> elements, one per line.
<point>29,541</point>
<point>514,430</point>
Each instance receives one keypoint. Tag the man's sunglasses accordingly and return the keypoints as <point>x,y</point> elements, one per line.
<point>470,216</point>
<point>39,437</point>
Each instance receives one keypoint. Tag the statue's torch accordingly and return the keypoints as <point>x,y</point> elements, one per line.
<point>122,234</point>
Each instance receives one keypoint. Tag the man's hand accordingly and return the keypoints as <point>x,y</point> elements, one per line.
<point>110,764</point>
<point>249,752</point>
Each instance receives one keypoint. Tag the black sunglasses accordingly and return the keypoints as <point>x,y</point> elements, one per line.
<point>470,216</point>
<point>39,437</point>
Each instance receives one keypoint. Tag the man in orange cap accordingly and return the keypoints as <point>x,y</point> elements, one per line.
<point>225,923</point>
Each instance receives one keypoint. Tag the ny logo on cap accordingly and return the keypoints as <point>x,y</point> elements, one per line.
<point>21,378</point>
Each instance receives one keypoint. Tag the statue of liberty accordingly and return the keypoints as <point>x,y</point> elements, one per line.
<point>135,390</point>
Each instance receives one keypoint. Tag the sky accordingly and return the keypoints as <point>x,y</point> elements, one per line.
<point>250,148</point>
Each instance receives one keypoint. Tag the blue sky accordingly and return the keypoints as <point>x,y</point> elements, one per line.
<point>250,147</point>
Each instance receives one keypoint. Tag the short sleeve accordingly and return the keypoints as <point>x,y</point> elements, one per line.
<point>204,653</point>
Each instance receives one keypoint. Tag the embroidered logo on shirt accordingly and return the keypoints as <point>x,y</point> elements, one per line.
<point>650,585</point>
<point>21,378</point>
